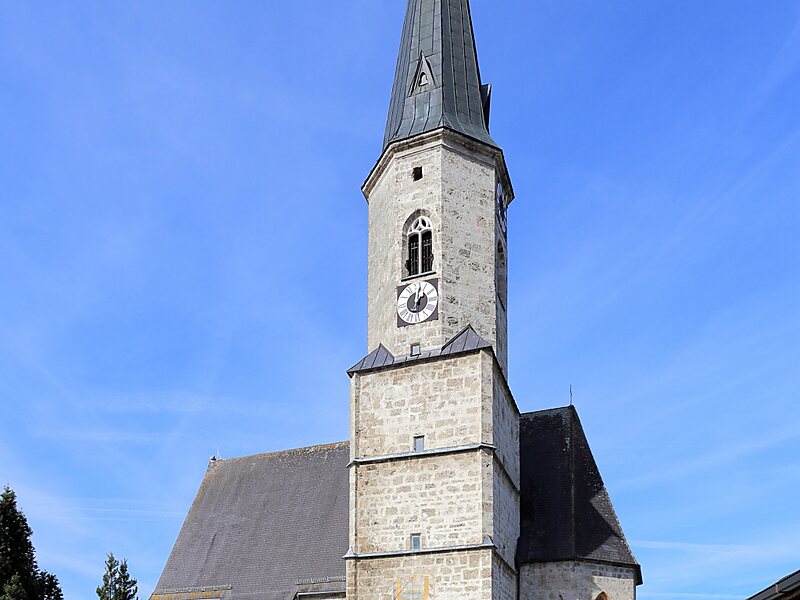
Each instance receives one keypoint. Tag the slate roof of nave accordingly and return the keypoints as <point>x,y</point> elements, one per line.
<point>260,524</point>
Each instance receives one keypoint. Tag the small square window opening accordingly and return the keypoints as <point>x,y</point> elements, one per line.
<point>416,350</point>
<point>419,443</point>
<point>416,542</point>
<point>417,173</point>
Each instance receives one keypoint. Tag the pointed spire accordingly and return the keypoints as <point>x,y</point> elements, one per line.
<point>437,82</point>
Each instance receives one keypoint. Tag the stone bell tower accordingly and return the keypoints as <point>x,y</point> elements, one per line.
<point>434,472</point>
<point>439,192</point>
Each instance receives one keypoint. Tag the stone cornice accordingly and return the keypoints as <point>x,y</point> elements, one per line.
<point>371,460</point>
<point>487,544</point>
<point>424,454</point>
<point>454,141</point>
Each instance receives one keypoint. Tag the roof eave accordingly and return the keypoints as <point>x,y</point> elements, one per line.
<point>444,134</point>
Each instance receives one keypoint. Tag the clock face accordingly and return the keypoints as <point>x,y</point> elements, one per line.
<point>417,302</point>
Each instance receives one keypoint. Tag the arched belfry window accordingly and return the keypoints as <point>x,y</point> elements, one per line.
<point>502,283</point>
<point>602,596</point>
<point>419,244</point>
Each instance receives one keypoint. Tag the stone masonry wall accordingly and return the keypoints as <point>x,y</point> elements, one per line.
<point>469,282</point>
<point>501,428</point>
<point>438,497</point>
<point>504,431</point>
<point>504,580</point>
<point>505,511</point>
<point>451,499</point>
<point>439,399</point>
<point>393,201</point>
<point>457,194</point>
<point>576,580</point>
<point>450,576</point>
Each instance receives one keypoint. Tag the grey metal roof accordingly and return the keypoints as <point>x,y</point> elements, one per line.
<point>566,512</point>
<point>262,523</point>
<point>438,43</point>
<point>466,340</point>
<point>787,588</point>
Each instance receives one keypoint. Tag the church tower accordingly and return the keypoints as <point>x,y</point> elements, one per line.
<point>444,490</point>
<point>438,195</point>
<point>434,471</point>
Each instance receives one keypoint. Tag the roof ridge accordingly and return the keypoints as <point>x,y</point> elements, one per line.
<point>547,410</point>
<point>315,447</point>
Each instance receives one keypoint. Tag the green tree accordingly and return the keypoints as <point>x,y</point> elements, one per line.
<point>49,587</point>
<point>117,581</point>
<point>20,577</point>
<point>14,590</point>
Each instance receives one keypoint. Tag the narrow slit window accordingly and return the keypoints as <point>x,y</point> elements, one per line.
<point>416,173</point>
<point>416,542</point>
<point>419,443</point>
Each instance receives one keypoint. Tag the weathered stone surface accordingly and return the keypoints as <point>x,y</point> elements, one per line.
<point>440,399</point>
<point>438,497</point>
<point>462,493</point>
<point>457,193</point>
<point>576,580</point>
<point>448,576</point>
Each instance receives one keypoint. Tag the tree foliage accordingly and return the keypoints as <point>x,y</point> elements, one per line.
<point>14,590</point>
<point>20,577</point>
<point>117,581</point>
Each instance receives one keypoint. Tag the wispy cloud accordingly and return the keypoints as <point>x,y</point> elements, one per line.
<point>784,65</point>
<point>682,565</point>
<point>714,459</point>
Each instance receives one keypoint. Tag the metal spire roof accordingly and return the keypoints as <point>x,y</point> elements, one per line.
<point>437,82</point>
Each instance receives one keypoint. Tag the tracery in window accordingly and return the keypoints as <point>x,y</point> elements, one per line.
<point>419,244</point>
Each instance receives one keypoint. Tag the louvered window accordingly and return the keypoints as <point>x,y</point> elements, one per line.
<point>420,248</point>
<point>427,252</point>
<point>413,254</point>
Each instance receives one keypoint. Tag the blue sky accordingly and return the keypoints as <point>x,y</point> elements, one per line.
<point>183,263</point>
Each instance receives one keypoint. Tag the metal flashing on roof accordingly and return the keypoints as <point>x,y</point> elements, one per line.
<point>438,42</point>
<point>466,340</point>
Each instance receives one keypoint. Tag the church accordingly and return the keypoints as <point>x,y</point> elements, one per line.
<point>444,491</point>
